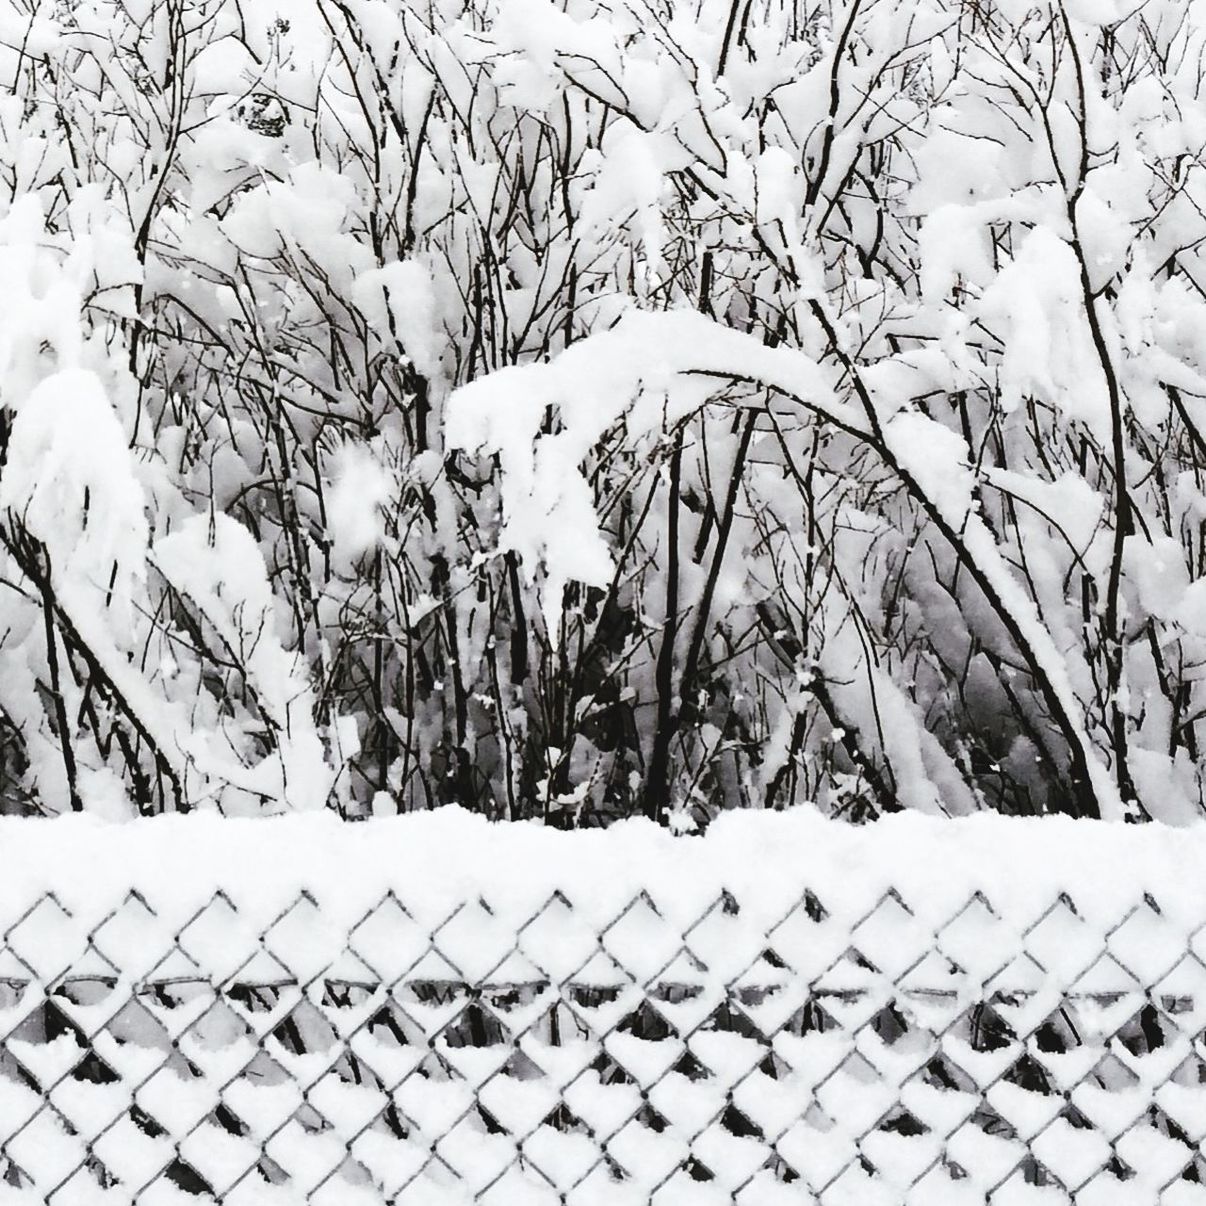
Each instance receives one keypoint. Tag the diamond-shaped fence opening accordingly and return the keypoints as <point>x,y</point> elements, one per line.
<point>1147,943</point>
<point>483,1053</point>
<point>45,940</point>
<point>889,937</point>
<point>132,937</point>
<point>641,940</point>
<point>978,940</point>
<point>1061,941</point>
<point>218,938</point>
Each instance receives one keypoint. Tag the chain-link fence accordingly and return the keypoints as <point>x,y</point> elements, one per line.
<point>547,1058</point>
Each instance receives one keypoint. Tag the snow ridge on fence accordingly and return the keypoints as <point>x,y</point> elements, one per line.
<point>782,1011</point>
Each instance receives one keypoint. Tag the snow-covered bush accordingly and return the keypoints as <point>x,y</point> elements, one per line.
<point>579,409</point>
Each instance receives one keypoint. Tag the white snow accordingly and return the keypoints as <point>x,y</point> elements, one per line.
<point>449,856</point>
<point>470,889</point>
<point>69,475</point>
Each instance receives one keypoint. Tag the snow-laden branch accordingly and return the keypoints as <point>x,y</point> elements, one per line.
<point>652,371</point>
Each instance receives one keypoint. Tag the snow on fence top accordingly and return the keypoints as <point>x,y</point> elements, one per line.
<point>434,1010</point>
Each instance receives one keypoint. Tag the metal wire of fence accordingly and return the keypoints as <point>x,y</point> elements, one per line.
<point>821,1059</point>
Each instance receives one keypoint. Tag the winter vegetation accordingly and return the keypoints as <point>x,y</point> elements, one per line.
<point>595,408</point>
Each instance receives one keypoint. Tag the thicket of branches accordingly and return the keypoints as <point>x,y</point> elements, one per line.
<point>586,409</point>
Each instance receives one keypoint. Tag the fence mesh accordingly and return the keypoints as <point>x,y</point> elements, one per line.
<point>821,1058</point>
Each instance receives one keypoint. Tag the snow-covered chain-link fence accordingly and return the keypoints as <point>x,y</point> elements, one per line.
<point>527,1043</point>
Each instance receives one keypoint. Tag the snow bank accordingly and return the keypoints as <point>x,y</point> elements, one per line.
<point>765,860</point>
